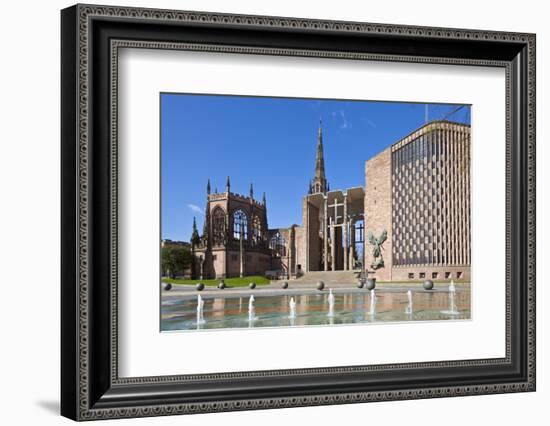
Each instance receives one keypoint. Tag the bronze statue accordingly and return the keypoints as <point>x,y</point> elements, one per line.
<point>378,260</point>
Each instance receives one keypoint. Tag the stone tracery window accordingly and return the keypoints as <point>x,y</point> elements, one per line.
<point>240,225</point>
<point>218,226</point>
<point>256,229</point>
<point>277,243</point>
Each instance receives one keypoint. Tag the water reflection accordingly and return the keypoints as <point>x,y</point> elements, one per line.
<point>313,309</point>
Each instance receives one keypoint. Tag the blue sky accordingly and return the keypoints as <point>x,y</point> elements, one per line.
<point>271,142</point>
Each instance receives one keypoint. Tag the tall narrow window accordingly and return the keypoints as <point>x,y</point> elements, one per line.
<point>278,244</point>
<point>218,226</point>
<point>359,231</point>
<point>240,225</point>
<point>256,229</point>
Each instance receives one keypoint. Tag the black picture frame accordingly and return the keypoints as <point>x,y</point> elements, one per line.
<point>90,386</point>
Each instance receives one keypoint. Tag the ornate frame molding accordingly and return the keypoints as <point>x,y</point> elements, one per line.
<point>90,402</point>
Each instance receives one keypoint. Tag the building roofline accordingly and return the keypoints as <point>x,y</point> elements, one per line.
<point>220,196</point>
<point>431,123</point>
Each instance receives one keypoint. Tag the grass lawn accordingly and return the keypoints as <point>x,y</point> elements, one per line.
<point>229,282</point>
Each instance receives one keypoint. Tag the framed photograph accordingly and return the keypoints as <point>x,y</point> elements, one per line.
<point>264,212</point>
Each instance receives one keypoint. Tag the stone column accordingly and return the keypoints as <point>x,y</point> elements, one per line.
<point>241,251</point>
<point>289,252</point>
<point>351,244</point>
<point>325,233</point>
<point>345,232</point>
<point>227,237</point>
<point>333,246</point>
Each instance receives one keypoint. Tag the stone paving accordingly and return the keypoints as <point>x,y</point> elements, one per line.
<point>339,283</point>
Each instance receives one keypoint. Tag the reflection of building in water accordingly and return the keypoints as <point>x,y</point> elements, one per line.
<point>218,307</point>
<point>417,192</point>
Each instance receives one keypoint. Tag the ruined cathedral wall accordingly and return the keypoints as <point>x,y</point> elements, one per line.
<point>310,249</point>
<point>239,204</point>
<point>255,263</point>
<point>233,263</point>
<point>250,207</point>
<point>378,196</point>
<point>286,263</point>
<point>218,263</point>
<point>300,243</point>
<point>218,203</point>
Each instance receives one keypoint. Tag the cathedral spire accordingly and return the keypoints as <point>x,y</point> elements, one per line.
<point>320,158</point>
<point>263,199</point>
<point>251,191</point>
<point>319,182</point>
<point>208,187</point>
<point>228,185</point>
<point>195,234</point>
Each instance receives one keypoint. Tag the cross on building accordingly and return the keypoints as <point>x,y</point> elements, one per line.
<point>335,207</point>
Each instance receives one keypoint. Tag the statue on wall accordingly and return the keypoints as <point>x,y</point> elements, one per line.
<point>377,259</point>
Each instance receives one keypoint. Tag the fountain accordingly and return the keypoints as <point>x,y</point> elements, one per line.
<point>409,308</point>
<point>453,310</point>
<point>330,304</point>
<point>251,309</point>
<point>237,309</point>
<point>200,310</point>
<point>292,307</point>
<point>372,309</point>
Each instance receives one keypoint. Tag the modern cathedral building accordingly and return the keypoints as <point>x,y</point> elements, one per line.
<point>410,221</point>
<point>418,190</point>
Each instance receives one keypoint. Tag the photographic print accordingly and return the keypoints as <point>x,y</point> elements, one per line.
<point>285,212</point>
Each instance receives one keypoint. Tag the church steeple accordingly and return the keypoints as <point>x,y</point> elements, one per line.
<point>251,192</point>
<point>228,185</point>
<point>319,182</point>
<point>208,187</point>
<point>195,234</point>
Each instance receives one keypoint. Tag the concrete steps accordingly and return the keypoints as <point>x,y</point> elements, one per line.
<point>329,277</point>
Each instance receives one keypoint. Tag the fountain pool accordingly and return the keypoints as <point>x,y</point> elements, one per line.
<point>345,307</point>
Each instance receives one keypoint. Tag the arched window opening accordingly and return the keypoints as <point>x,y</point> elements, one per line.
<point>256,230</point>
<point>278,244</point>
<point>218,227</point>
<point>240,225</point>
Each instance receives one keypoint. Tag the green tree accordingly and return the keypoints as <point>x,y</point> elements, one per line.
<point>175,259</point>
